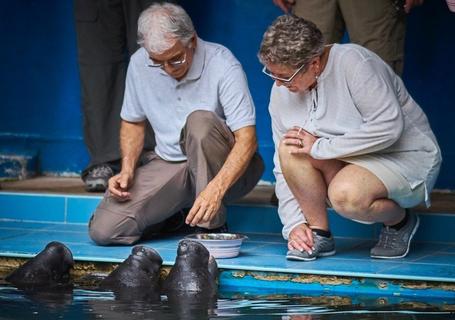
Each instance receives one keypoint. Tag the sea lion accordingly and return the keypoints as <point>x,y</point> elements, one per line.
<point>49,268</point>
<point>137,277</point>
<point>194,271</point>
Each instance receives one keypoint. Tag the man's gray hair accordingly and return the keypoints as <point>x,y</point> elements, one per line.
<point>161,25</point>
<point>291,41</point>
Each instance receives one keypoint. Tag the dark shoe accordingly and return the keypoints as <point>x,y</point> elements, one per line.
<point>323,247</point>
<point>393,243</point>
<point>97,178</point>
<point>176,222</point>
<point>222,229</point>
<point>176,225</point>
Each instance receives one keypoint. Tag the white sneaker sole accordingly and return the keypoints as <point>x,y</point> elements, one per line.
<point>322,254</point>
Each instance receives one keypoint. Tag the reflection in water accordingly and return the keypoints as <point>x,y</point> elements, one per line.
<point>91,304</point>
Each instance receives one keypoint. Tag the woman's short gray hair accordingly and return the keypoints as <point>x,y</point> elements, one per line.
<point>291,41</point>
<point>161,25</point>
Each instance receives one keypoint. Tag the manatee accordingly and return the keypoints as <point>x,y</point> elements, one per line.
<point>136,278</point>
<point>191,285</point>
<point>50,268</point>
<point>194,271</point>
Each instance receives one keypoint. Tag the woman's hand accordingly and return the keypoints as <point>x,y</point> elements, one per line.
<point>301,139</point>
<point>301,238</point>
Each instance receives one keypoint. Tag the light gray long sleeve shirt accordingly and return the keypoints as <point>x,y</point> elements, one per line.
<point>359,107</point>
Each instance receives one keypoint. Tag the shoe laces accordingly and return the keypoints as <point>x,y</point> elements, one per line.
<point>388,238</point>
<point>101,171</point>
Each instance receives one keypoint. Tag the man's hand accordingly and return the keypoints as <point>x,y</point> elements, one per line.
<point>284,5</point>
<point>119,185</point>
<point>301,238</point>
<point>301,139</point>
<point>206,205</point>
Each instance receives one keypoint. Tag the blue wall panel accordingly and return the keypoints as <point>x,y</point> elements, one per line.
<point>39,82</point>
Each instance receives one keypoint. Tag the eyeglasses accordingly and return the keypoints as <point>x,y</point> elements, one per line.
<point>285,81</point>
<point>174,63</point>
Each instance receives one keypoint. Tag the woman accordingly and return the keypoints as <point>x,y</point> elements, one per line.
<point>347,132</point>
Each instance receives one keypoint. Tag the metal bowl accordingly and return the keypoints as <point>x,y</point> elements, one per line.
<point>220,245</point>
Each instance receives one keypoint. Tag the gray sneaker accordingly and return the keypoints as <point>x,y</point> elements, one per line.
<point>323,247</point>
<point>393,243</point>
<point>97,178</point>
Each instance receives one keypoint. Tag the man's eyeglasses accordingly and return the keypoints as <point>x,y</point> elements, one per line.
<point>174,63</point>
<point>284,80</point>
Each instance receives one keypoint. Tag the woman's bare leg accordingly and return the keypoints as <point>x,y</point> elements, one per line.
<point>358,194</point>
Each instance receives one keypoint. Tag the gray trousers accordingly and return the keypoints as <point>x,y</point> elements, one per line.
<point>374,24</point>
<point>106,38</point>
<point>161,187</point>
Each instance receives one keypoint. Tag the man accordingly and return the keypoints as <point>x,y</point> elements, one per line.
<point>195,96</point>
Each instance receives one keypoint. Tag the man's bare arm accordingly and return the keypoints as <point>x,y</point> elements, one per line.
<point>131,145</point>
<point>209,200</point>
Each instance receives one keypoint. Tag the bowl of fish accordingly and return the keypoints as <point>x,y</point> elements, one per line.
<point>220,245</point>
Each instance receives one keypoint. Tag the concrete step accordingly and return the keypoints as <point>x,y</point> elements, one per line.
<point>18,165</point>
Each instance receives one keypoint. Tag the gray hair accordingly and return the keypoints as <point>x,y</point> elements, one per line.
<point>161,25</point>
<point>291,41</point>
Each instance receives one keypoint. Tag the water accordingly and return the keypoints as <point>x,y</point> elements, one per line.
<point>88,303</point>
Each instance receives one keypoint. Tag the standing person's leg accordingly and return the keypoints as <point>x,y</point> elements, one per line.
<point>207,141</point>
<point>132,9</point>
<point>325,14</point>
<point>102,64</point>
<point>378,26</point>
<point>160,189</point>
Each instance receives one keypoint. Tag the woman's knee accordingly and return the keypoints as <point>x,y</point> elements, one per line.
<point>287,158</point>
<point>347,200</point>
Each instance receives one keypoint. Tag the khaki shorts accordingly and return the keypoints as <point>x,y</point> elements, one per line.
<point>398,188</point>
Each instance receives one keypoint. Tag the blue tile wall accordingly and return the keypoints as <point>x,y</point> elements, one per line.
<point>241,218</point>
<point>32,207</point>
<point>79,210</point>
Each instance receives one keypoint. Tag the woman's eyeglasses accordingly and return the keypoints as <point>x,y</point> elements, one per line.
<point>284,80</point>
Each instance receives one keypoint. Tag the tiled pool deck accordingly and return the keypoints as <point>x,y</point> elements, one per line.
<point>29,221</point>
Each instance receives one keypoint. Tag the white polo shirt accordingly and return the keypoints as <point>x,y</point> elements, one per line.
<point>215,82</point>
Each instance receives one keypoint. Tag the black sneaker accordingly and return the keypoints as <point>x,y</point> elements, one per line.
<point>176,222</point>
<point>222,229</point>
<point>97,178</point>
